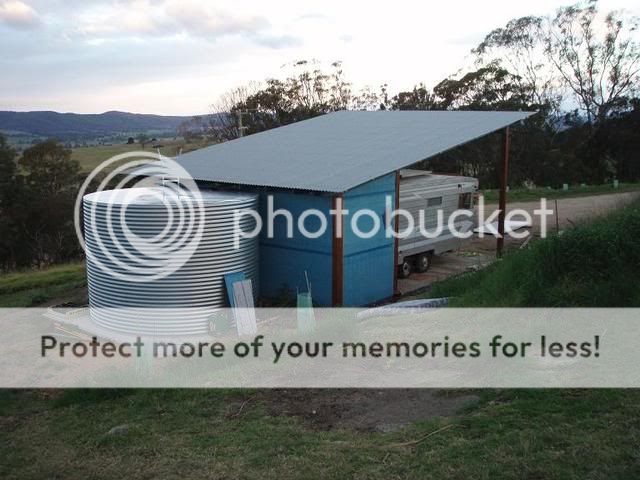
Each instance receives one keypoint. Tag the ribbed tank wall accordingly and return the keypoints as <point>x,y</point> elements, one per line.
<point>123,278</point>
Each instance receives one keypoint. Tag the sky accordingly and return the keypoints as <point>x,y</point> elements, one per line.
<point>176,57</point>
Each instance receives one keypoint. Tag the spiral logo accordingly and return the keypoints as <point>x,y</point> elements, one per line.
<point>144,219</point>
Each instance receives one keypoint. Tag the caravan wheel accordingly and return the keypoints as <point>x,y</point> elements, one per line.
<point>423,262</point>
<point>405,269</point>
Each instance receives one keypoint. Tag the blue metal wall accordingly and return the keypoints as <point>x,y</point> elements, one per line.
<point>283,260</point>
<point>368,262</point>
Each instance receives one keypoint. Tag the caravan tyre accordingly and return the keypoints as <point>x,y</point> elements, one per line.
<point>405,268</point>
<point>423,262</point>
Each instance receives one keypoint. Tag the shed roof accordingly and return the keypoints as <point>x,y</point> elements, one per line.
<point>340,150</point>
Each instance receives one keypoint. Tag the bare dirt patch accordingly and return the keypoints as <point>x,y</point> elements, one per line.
<point>360,409</point>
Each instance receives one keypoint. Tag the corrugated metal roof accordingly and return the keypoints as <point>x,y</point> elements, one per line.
<point>341,150</point>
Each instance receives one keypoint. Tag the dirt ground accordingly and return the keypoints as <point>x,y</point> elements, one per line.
<point>358,409</point>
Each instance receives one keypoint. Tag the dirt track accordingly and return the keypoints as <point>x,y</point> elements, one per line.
<point>570,212</point>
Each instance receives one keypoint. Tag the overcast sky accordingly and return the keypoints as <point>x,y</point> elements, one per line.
<point>177,56</point>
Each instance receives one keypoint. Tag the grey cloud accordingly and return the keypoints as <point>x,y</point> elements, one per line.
<point>74,66</point>
<point>204,22</point>
<point>166,19</point>
<point>99,21</point>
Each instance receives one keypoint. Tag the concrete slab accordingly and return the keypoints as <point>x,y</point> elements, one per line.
<point>444,266</point>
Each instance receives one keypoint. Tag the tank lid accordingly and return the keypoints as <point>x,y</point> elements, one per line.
<point>154,196</point>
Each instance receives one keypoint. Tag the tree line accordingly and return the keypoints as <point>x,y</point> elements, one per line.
<point>37,195</point>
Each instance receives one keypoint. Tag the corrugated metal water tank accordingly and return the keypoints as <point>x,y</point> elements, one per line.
<point>125,273</point>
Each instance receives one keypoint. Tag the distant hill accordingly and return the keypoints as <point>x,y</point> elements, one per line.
<point>69,125</point>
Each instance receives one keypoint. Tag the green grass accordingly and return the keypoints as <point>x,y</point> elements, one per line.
<point>532,194</point>
<point>90,157</point>
<point>561,434</point>
<point>30,288</point>
<point>592,265</point>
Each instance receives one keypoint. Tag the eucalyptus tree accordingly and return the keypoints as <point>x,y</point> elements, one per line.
<point>597,56</point>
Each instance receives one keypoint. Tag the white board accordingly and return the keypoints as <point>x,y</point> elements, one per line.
<point>510,226</point>
<point>244,311</point>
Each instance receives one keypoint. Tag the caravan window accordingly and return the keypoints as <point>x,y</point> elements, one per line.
<point>434,202</point>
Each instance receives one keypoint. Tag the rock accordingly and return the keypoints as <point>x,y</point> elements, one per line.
<point>119,430</point>
<point>389,427</point>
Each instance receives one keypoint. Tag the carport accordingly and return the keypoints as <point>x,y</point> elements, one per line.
<point>350,159</point>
